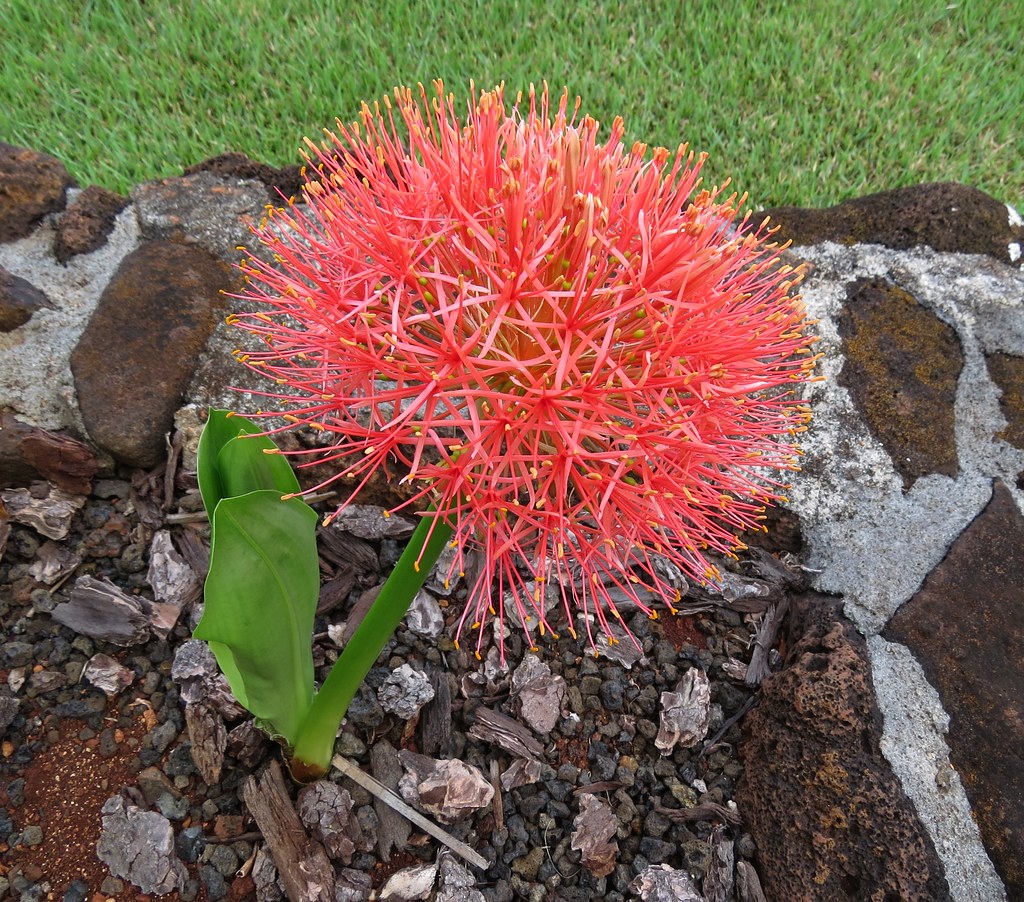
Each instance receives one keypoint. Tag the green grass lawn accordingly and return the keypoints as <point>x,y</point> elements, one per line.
<point>799,103</point>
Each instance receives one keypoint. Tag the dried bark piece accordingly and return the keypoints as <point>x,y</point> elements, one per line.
<point>352,886</point>
<point>392,829</point>
<point>660,883</point>
<point>265,877</point>
<point>345,551</point>
<point>456,883</point>
<point>28,450</point>
<point>53,562</point>
<point>707,811</point>
<point>685,713</point>
<point>100,610</point>
<point>209,739</point>
<point>326,810</point>
<point>501,730</point>
<point>173,581</point>
<point>195,668</point>
<point>424,617</point>
<point>449,789</point>
<point>302,864</point>
<point>410,883</point>
<point>368,521</point>
<point>247,744</point>
<point>139,846</point>
<point>521,772</point>
<point>436,718</point>
<point>748,884</point>
<point>593,832</point>
<point>718,882</point>
<point>539,694</point>
<point>767,633</point>
<point>378,790</point>
<point>49,515</point>
<point>107,675</point>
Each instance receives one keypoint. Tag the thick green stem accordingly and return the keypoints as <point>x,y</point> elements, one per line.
<point>314,744</point>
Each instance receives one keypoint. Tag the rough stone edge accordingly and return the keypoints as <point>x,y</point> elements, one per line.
<point>915,722</point>
<point>913,741</point>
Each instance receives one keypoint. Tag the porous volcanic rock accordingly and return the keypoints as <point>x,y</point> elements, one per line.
<point>136,356</point>
<point>964,627</point>
<point>86,223</point>
<point>828,815</point>
<point>19,300</point>
<point>1007,371</point>
<point>203,209</point>
<point>285,181</point>
<point>32,184</point>
<point>902,365</point>
<point>946,216</point>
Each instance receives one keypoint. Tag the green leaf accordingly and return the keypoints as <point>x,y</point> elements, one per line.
<point>232,460</point>
<point>261,597</point>
<point>245,466</point>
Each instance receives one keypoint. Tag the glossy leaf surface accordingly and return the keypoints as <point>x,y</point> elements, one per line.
<point>261,596</point>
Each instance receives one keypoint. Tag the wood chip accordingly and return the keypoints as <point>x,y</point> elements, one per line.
<point>708,811</point>
<point>53,562</point>
<point>100,610</point>
<point>505,732</point>
<point>767,633</point>
<point>718,882</point>
<point>392,829</point>
<point>685,713</point>
<point>209,738</point>
<point>748,884</point>
<point>593,836</point>
<point>372,786</point>
<point>173,581</point>
<point>303,865</point>
<point>107,675</point>
<point>436,717</point>
<point>64,461</point>
<point>47,509</point>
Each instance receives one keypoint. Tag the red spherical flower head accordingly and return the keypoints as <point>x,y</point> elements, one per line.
<point>586,363</point>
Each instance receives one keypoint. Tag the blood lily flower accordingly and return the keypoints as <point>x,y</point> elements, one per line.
<point>584,362</point>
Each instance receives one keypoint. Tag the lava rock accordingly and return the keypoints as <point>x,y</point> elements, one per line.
<point>162,304</point>
<point>811,750</point>
<point>964,627</point>
<point>945,216</point>
<point>19,300</point>
<point>32,184</point>
<point>87,222</point>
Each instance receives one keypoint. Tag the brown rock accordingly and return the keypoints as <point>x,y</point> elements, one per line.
<point>138,353</point>
<point>828,815</point>
<point>945,216</point>
<point>19,299</point>
<point>902,365</point>
<point>964,626</point>
<point>85,225</point>
<point>286,181</point>
<point>32,184</point>
<point>1007,372</point>
<point>203,209</point>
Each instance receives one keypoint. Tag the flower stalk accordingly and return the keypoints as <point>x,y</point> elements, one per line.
<point>314,744</point>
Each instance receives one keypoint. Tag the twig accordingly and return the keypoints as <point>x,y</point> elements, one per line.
<point>710,743</point>
<point>386,795</point>
<point>499,806</point>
